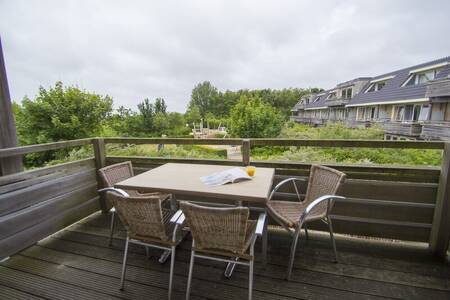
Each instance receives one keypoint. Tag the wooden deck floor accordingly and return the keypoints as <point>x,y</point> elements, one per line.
<point>76,263</point>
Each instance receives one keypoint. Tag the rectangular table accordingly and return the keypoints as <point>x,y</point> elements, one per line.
<point>184,179</point>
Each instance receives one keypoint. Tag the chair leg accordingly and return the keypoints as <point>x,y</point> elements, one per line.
<point>306,232</point>
<point>124,264</point>
<point>330,227</point>
<point>293,249</point>
<point>191,266</point>
<point>264,244</point>
<point>250,280</point>
<point>172,264</point>
<point>111,230</point>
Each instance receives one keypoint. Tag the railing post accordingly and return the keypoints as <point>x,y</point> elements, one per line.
<point>100,162</point>
<point>245,150</point>
<point>440,230</point>
<point>8,135</point>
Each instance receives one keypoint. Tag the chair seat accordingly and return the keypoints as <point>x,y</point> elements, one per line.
<point>289,212</point>
<point>167,215</point>
<point>250,233</point>
<point>134,193</point>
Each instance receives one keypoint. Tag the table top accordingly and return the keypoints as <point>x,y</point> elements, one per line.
<point>184,179</point>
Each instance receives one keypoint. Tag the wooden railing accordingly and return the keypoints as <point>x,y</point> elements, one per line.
<point>412,129</point>
<point>406,203</point>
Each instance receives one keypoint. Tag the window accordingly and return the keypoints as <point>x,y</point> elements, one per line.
<point>372,113</point>
<point>376,86</point>
<point>424,112</point>
<point>369,113</point>
<point>399,113</point>
<point>347,93</point>
<point>331,95</point>
<point>416,112</point>
<point>316,99</point>
<point>421,78</point>
<point>360,113</point>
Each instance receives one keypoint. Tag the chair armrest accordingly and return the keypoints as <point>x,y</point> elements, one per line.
<point>317,201</point>
<point>114,190</point>
<point>281,183</point>
<point>178,218</point>
<point>260,224</point>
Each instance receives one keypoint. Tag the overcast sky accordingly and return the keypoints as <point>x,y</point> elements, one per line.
<point>131,50</point>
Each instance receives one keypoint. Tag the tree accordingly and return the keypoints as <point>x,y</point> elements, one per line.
<point>126,122</point>
<point>193,115</point>
<point>160,106</point>
<point>202,97</point>
<point>147,112</point>
<point>61,113</point>
<point>251,118</point>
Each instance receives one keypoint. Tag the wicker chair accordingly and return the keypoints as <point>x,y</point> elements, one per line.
<point>324,183</point>
<point>147,224</point>
<point>222,234</point>
<point>113,174</point>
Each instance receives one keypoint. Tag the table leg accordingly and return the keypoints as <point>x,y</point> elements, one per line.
<point>173,203</point>
<point>230,268</point>
<point>164,256</point>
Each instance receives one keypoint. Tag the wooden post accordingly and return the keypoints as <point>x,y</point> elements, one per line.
<point>100,162</point>
<point>440,230</point>
<point>245,150</point>
<point>8,135</point>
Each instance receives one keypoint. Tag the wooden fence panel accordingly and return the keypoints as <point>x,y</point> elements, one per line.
<point>378,208</point>
<point>37,203</point>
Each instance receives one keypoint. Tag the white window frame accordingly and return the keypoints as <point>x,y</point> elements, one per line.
<point>346,90</point>
<point>330,95</point>
<point>416,75</point>
<point>376,86</point>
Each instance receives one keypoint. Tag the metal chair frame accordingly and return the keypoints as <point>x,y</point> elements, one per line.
<point>295,232</point>
<point>232,262</point>
<point>177,219</point>
<point>113,210</point>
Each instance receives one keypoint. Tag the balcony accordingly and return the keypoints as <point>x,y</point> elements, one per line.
<point>337,102</point>
<point>407,129</point>
<point>436,131</point>
<point>308,120</point>
<point>438,88</point>
<point>357,123</point>
<point>392,218</point>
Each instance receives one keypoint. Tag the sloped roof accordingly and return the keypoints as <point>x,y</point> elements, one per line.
<point>393,90</point>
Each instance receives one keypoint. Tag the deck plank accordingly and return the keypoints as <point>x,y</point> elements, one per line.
<point>93,245</point>
<point>76,263</point>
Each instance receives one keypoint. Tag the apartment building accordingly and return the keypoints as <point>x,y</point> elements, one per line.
<point>411,103</point>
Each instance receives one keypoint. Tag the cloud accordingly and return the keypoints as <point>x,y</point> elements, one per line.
<point>137,49</point>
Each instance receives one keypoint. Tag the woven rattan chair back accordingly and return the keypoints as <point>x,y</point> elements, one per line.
<point>113,174</point>
<point>323,181</point>
<point>142,216</point>
<point>217,228</point>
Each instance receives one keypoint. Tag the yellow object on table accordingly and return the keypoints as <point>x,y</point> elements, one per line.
<point>251,170</point>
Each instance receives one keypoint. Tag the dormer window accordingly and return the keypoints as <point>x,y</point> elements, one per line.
<point>423,75</point>
<point>347,93</point>
<point>378,84</point>
<point>316,99</point>
<point>420,78</point>
<point>331,95</point>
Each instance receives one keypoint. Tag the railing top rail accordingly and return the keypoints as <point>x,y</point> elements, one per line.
<point>180,141</point>
<point>21,150</point>
<point>8,152</point>
<point>285,142</point>
<point>350,143</point>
